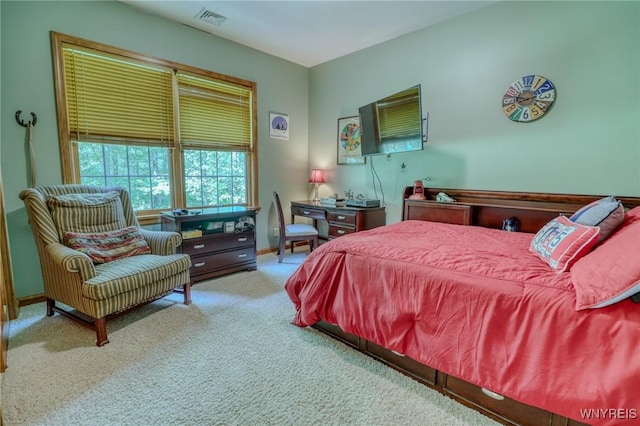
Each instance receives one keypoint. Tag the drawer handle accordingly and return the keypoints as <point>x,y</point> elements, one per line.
<point>492,394</point>
<point>342,217</point>
<point>242,255</point>
<point>306,212</point>
<point>242,239</point>
<point>198,246</point>
<point>341,231</point>
<point>199,264</point>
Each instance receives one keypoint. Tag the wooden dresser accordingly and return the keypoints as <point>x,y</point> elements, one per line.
<point>217,240</point>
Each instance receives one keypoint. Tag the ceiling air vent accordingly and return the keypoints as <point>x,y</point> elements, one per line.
<point>210,17</point>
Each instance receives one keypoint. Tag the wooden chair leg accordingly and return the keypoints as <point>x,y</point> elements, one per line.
<point>50,305</point>
<point>281,250</point>
<point>187,293</point>
<point>100,325</point>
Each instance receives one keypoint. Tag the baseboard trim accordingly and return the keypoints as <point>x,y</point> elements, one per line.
<point>30,300</point>
<point>275,249</point>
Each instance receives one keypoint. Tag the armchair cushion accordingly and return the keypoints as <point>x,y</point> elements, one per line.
<point>86,212</point>
<point>126,274</point>
<point>104,247</point>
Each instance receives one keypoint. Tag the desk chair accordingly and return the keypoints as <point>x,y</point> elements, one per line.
<point>293,232</point>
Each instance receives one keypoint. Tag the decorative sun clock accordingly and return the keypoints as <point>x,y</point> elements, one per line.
<point>528,98</point>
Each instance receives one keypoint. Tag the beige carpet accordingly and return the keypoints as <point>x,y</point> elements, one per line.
<point>231,358</point>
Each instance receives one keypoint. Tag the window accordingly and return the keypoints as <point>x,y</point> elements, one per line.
<point>173,135</point>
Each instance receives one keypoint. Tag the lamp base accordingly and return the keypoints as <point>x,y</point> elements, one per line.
<point>316,199</point>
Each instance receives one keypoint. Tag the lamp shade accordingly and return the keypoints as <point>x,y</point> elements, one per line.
<point>317,176</point>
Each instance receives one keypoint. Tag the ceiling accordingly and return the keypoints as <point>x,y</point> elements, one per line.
<point>309,33</point>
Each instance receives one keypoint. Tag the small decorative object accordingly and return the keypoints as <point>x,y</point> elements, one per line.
<point>278,126</point>
<point>212,227</point>
<point>245,224</point>
<point>328,200</point>
<point>332,200</point>
<point>444,198</point>
<point>349,147</point>
<point>348,195</point>
<point>32,156</point>
<point>418,191</point>
<point>511,224</point>
<point>528,98</point>
<point>317,177</point>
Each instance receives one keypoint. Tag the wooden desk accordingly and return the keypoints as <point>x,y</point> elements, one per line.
<point>341,220</point>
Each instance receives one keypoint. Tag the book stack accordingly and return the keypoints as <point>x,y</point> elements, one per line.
<point>332,201</point>
<point>191,233</point>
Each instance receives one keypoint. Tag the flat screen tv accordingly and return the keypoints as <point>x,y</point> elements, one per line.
<point>392,124</point>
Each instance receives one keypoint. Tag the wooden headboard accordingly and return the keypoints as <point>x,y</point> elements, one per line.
<point>490,208</point>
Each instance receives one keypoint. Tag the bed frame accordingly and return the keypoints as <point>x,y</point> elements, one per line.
<point>487,209</point>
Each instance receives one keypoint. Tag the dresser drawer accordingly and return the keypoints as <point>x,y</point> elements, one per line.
<point>339,231</point>
<point>312,213</point>
<point>403,363</point>
<point>496,403</point>
<point>348,218</point>
<point>209,243</point>
<point>458,214</point>
<point>227,259</point>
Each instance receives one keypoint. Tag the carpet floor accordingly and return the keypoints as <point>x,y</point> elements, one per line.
<point>230,358</point>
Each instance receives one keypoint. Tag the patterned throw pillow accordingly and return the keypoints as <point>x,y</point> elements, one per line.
<point>104,247</point>
<point>86,212</point>
<point>606,213</point>
<point>561,242</point>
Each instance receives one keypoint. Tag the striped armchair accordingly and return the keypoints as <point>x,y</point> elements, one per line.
<point>95,259</point>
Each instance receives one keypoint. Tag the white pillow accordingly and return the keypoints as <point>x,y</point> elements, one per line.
<point>606,213</point>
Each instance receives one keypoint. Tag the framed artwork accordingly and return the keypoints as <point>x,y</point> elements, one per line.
<point>279,126</point>
<point>349,146</point>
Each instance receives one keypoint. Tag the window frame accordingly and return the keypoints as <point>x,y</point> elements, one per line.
<point>69,151</point>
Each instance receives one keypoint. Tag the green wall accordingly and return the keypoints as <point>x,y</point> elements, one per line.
<point>27,85</point>
<point>589,142</point>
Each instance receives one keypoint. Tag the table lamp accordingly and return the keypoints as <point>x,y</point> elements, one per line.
<point>317,177</point>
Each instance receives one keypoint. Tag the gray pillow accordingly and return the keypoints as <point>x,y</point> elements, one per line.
<point>606,213</point>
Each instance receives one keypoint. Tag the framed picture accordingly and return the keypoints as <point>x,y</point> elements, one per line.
<point>349,147</point>
<point>278,126</point>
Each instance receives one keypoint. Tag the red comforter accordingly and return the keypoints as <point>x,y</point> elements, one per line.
<point>475,303</point>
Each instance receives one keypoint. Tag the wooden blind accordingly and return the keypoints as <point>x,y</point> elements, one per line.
<point>115,99</point>
<point>214,114</point>
<point>399,116</point>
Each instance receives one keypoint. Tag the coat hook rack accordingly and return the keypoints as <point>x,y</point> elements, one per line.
<point>22,123</point>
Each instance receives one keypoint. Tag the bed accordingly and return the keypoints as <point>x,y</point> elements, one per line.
<point>476,313</point>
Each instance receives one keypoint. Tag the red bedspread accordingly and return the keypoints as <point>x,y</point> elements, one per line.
<point>475,303</point>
